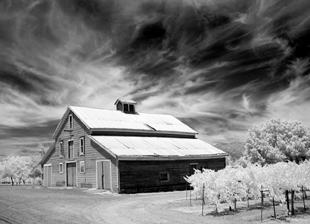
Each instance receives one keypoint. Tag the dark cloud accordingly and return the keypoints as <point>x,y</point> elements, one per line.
<point>221,65</point>
<point>42,130</point>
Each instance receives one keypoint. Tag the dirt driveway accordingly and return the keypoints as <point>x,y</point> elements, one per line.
<point>27,205</point>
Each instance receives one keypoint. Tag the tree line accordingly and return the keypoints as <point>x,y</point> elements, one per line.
<point>19,169</point>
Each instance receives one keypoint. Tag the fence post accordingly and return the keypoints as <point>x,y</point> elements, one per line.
<point>287,202</point>
<point>262,204</point>
<point>303,197</point>
<point>202,199</point>
<point>190,196</point>
<point>274,208</point>
<point>186,191</point>
<point>292,202</point>
<point>203,194</point>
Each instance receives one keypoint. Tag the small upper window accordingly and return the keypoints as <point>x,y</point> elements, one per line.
<point>70,121</point>
<point>61,167</point>
<point>126,107</point>
<point>82,166</point>
<point>164,176</point>
<point>61,148</point>
<point>131,108</point>
<point>82,146</point>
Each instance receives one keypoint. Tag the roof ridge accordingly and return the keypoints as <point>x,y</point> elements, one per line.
<point>142,113</point>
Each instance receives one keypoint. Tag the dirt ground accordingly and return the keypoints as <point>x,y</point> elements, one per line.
<point>41,205</point>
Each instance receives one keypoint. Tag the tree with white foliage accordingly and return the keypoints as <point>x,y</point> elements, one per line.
<point>239,183</point>
<point>18,168</point>
<point>277,141</point>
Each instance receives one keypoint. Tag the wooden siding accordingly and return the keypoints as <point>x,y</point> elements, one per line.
<point>92,153</point>
<point>143,176</point>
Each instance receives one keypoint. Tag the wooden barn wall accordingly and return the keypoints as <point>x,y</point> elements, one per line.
<point>143,176</point>
<point>92,153</point>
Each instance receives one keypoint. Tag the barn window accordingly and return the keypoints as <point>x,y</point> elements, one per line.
<point>70,149</point>
<point>82,146</point>
<point>164,176</point>
<point>70,121</point>
<point>126,108</point>
<point>192,167</point>
<point>131,108</point>
<point>61,149</point>
<point>82,166</point>
<point>61,167</point>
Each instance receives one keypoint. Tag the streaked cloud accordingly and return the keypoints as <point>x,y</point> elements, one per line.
<point>219,65</point>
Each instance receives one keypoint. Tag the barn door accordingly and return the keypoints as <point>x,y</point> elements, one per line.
<point>104,175</point>
<point>71,174</point>
<point>47,172</point>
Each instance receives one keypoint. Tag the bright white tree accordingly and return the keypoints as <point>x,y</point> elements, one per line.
<point>277,141</point>
<point>18,168</point>
<point>240,183</point>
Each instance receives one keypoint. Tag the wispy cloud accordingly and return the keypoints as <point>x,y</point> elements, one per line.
<point>219,65</point>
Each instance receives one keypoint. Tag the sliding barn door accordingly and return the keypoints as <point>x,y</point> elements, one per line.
<point>71,174</point>
<point>104,175</point>
<point>47,175</point>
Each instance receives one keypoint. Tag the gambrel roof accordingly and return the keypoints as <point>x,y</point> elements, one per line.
<point>117,121</point>
<point>137,147</point>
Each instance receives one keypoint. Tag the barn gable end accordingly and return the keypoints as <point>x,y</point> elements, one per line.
<point>92,153</point>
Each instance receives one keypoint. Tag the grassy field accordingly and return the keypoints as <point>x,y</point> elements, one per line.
<point>27,205</point>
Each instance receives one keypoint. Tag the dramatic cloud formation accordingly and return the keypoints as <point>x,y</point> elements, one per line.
<point>219,65</point>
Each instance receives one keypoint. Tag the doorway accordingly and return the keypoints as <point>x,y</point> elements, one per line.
<point>71,174</point>
<point>103,168</point>
<point>47,175</point>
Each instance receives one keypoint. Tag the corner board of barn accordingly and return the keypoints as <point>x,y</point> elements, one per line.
<point>125,151</point>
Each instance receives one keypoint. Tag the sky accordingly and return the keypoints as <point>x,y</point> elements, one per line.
<point>221,66</point>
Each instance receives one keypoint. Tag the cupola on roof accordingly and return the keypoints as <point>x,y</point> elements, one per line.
<point>126,106</point>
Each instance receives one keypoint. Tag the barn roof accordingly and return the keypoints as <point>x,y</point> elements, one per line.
<point>114,120</point>
<point>48,153</point>
<point>132,147</point>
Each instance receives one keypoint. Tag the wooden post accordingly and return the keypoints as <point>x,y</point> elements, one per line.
<point>262,204</point>
<point>287,202</point>
<point>292,202</point>
<point>190,196</point>
<point>274,208</point>
<point>186,191</point>
<point>248,201</point>
<point>203,194</point>
<point>235,204</point>
<point>303,197</point>
<point>202,199</point>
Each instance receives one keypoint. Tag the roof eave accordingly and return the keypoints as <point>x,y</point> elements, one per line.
<point>47,154</point>
<point>103,147</point>
<point>172,157</point>
<point>102,130</point>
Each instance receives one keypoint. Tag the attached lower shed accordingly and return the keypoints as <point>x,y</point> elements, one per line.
<point>125,153</point>
<point>158,163</point>
<point>161,175</point>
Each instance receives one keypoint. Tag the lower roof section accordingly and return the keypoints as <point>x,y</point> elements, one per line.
<point>133,147</point>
